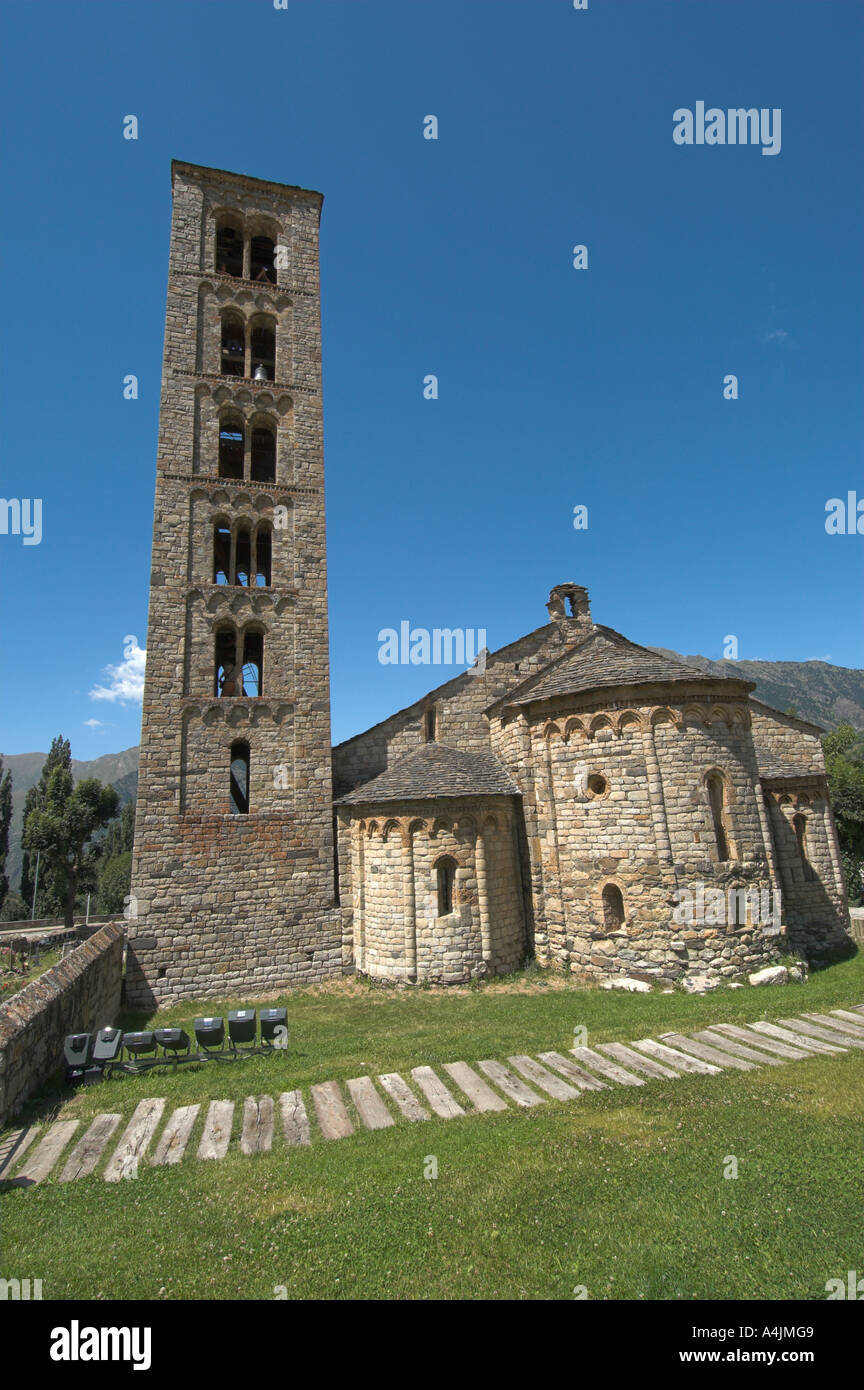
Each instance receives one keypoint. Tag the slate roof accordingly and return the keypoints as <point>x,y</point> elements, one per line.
<point>770,766</point>
<point>436,770</point>
<point>604,659</point>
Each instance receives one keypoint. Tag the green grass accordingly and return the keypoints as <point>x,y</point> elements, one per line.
<point>620,1191</point>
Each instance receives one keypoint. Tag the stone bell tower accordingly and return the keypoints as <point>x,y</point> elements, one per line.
<point>233,878</point>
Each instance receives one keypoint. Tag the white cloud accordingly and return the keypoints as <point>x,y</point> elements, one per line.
<point>778,335</point>
<point>93,724</point>
<point>126,681</point>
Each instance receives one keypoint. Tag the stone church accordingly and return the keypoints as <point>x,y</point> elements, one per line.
<point>577,798</point>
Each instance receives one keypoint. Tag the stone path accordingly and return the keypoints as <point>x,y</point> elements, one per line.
<point>523,1082</point>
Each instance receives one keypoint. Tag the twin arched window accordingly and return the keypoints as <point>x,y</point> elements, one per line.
<point>248,347</point>
<point>799,825</point>
<point>242,556</point>
<point>244,257</point>
<point>233,451</point>
<point>238,663</point>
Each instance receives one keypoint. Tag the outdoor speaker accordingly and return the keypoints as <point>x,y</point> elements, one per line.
<point>271,1021</point>
<point>107,1046</point>
<point>241,1026</point>
<point>77,1051</point>
<point>172,1039</point>
<point>139,1043</point>
<point>210,1033</point>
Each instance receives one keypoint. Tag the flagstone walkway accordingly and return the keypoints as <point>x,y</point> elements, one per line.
<point>487,1086</point>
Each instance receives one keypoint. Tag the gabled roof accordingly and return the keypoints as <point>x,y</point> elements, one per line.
<point>604,659</point>
<point>436,770</point>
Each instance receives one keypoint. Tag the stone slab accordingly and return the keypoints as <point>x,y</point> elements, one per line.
<point>512,1086</point>
<point>14,1145</point>
<point>619,1052</point>
<point>41,1161</point>
<point>399,1091</point>
<point>256,1136</point>
<point>737,1049</point>
<point>606,1067</point>
<point>772,1045</point>
<point>90,1147</point>
<point>796,1037</point>
<point>581,1078</point>
<point>370,1107</point>
<point>124,1161</point>
<point>433,1088</point>
<point>694,1048</point>
<point>295,1121</point>
<point>825,1035</point>
<point>175,1136</point>
<point>333,1119</point>
<point>543,1079</point>
<point>481,1096</point>
<point>682,1060</point>
<point>217,1129</point>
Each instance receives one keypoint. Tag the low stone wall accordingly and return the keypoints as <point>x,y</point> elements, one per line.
<point>78,995</point>
<point>856,922</point>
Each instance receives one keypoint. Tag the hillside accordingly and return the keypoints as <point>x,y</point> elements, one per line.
<point>827,695</point>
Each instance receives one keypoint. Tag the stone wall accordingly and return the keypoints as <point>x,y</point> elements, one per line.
<point>78,995</point>
<point>389,888</point>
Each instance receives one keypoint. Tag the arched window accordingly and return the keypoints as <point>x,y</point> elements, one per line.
<point>228,676</point>
<point>243,557</point>
<point>221,553</point>
<point>233,356</point>
<point>239,778</point>
<point>262,259</point>
<point>430,723</point>
<point>263,556</point>
<point>800,826</point>
<point>446,875</point>
<point>229,250</point>
<point>716,787</point>
<point>231,442</point>
<point>253,663</point>
<point>263,345</point>
<point>613,907</point>
<point>263,460</point>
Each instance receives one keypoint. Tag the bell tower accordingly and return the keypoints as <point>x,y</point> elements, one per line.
<point>232,876</point>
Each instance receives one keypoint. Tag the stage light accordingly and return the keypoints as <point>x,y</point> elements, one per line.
<point>241,1027</point>
<point>210,1034</point>
<point>273,1029</point>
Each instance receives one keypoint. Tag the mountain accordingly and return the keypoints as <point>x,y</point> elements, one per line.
<point>119,770</point>
<point>826,695</point>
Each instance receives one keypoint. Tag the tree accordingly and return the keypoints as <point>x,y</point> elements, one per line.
<point>845,773</point>
<point>5,820</point>
<point>115,873</point>
<point>59,755</point>
<point>61,829</point>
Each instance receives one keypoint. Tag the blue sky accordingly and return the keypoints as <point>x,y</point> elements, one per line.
<point>557,387</point>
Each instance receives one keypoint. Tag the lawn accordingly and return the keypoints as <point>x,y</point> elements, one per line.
<point>621,1192</point>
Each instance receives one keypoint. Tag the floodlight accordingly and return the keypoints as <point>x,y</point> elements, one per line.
<point>241,1027</point>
